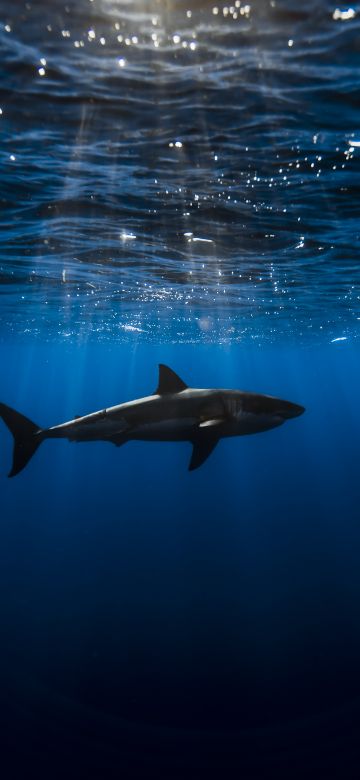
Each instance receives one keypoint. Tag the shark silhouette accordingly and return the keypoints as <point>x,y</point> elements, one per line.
<point>175,412</point>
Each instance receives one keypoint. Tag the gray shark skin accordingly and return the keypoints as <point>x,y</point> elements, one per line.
<point>175,412</point>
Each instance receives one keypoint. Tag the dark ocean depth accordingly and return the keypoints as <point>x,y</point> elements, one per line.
<point>180,185</point>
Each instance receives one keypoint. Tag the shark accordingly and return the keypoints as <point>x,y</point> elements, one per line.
<point>174,412</point>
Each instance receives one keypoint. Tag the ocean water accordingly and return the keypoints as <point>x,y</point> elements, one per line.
<point>180,185</point>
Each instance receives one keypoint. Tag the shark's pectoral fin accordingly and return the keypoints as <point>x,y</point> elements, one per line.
<point>202,448</point>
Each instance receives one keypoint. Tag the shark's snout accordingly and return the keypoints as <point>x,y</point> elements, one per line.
<point>267,405</point>
<point>287,410</point>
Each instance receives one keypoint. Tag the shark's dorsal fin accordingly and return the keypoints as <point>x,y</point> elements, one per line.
<point>202,448</point>
<point>169,382</point>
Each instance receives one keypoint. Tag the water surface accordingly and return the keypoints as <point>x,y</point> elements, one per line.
<point>181,171</point>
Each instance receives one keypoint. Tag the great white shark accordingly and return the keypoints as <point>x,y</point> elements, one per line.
<point>175,412</point>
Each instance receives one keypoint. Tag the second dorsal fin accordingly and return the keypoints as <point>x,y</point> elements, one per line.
<point>169,382</point>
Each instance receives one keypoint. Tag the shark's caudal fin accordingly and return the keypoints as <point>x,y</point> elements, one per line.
<point>25,440</point>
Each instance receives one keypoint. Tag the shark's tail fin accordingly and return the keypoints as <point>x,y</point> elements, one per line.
<point>24,432</point>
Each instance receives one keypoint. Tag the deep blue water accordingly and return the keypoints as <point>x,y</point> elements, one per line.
<point>180,185</point>
<point>157,622</point>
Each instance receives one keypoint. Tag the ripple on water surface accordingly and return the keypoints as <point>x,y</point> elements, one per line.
<point>180,170</point>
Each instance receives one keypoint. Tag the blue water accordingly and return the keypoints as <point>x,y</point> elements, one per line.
<point>180,186</point>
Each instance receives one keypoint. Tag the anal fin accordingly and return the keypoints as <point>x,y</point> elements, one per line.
<point>118,439</point>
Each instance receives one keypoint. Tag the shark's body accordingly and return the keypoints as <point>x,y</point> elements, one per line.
<point>174,412</point>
